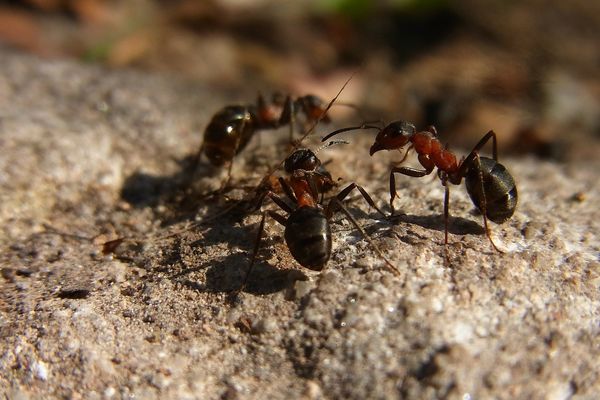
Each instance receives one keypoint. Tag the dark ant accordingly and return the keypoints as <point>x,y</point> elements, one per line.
<point>231,128</point>
<point>307,231</point>
<point>490,186</point>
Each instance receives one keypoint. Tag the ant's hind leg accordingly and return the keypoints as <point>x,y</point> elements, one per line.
<point>193,167</point>
<point>471,157</point>
<point>483,205</point>
<point>225,183</point>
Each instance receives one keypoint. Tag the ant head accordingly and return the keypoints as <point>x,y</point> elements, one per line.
<point>313,107</point>
<point>392,137</point>
<point>303,159</point>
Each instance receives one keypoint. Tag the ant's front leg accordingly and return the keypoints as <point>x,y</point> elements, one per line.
<point>444,178</point>
<point>408,171</point>
<point>404,156</point>
<point>346,191</point>
<point>336,204</point>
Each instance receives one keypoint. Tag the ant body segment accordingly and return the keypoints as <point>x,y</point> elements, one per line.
<point>231,128</point>
<point>307,231</point>
<point>489,184</point>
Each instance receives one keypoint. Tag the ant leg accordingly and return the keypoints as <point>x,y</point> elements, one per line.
<point>238,140</point>
<point>312,185</point>
<point>446,212</point>
<point>345,192</point>
<point>339,206</point>
<point>261,228</point>
<point>408,171</point>
<point>446,217</point>
<point>483,205</point>
<point>464,166</point>
<point>393,192</point>
<point>404,156</point>
<point>194,166</point>
<point>322,116</point>
<point>289,192</point>
<point>288,115</point>
<point>225,183</point>
<point>360,112</point>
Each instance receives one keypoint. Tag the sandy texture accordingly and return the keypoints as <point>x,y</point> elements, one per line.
<point>89,155</point>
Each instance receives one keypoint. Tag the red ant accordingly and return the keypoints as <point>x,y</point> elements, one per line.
<point>491,187</point>
<point>307,230</point>
<point>231,128</point>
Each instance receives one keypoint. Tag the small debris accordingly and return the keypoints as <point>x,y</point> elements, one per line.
<point>74,293</point>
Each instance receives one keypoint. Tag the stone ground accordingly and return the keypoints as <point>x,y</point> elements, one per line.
<point>89,155</point>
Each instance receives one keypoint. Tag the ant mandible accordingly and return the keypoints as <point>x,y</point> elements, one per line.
<point>489,184</point>
<point>231,128</point>
<point>307,231</point>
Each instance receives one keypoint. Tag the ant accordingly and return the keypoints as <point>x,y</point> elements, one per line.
<point>490,186</point>
<point>231,128</point>
<point>307,231</point>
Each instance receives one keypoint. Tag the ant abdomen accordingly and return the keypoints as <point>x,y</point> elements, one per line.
<point>308,236</point>
<point>228,132</point>
<point>499,187</point>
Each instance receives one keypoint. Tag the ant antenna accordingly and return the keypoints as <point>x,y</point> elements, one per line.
<point>310,130</point>
<point>352,128</point>
<point>353,106</point>
<point>332,143</point>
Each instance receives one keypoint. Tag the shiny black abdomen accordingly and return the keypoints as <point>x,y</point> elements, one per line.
<point>231,125</point>
<point>499,186</point>
<point>308,236</point>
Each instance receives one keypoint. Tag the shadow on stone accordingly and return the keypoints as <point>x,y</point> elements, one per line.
<point>456,225</point>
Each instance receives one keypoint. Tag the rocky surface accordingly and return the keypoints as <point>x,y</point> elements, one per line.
<point>89,155</point>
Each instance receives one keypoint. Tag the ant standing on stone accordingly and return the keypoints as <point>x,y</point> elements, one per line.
<point>307,231</point>
<point>231,128</point>
<point>490,186</point>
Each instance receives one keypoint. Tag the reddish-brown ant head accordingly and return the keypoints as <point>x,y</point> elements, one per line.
<point>313,107</point>
<point>301,159</point>
<point>394,136</point>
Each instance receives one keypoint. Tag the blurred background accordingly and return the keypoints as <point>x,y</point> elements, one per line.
<point>527,69</point>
